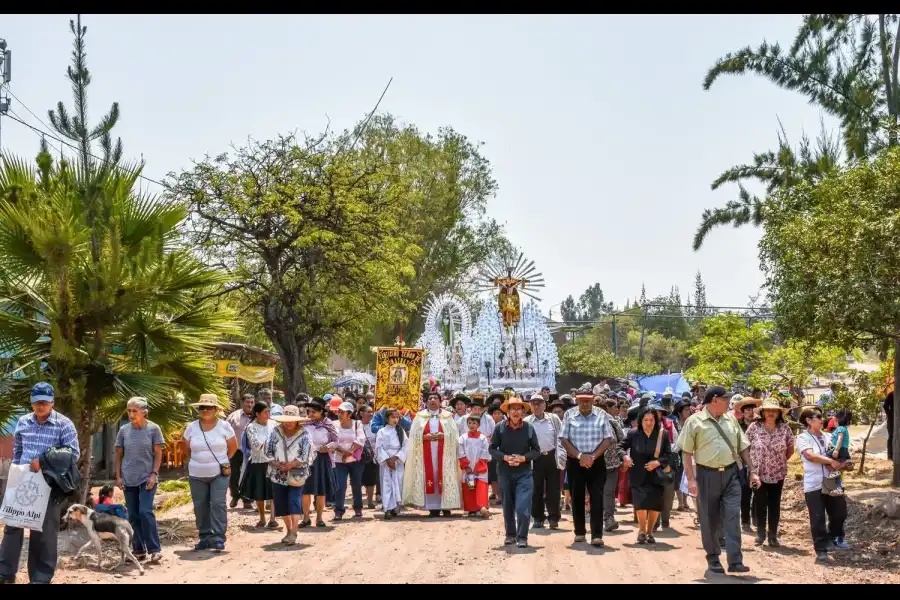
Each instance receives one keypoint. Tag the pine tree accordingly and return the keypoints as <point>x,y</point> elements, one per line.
<point>701,308</point>
<point>643,299</point>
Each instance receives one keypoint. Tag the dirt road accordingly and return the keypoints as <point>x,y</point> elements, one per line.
<point>413,549</point>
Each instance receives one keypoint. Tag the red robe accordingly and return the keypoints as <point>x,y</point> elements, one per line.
<point>434,482</point>
<point>474,499</point>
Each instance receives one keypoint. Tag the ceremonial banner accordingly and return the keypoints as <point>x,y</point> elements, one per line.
<point>398,377</point>
<point>235,368</point>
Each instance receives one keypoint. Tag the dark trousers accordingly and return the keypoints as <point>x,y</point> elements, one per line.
<point>767,506</point>
<point>719,509</point>
<point>589,481</point>
<point>234,482</point>
<point>746,493</point>
<point>41,548</point>
<point>547,486</point>
<point>341,471</point>
<point>820,505</point>
<point>516,489</point>
<point>139,502</point>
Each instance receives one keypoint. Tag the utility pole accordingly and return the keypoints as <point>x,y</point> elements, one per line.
<point>5,76</point>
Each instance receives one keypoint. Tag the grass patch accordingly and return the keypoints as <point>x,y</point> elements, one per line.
<point>179,498</point>
<point>174,485</point>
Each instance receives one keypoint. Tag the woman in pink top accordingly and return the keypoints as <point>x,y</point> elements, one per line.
<point>347,457</point>
<point>771,445</point>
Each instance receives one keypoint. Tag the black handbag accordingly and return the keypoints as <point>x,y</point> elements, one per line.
<point>663,474</point>
<point>368,454</point>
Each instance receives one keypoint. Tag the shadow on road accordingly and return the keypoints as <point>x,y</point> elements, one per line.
<point>279,547</point>
<point>720,579</point>
<point>591,550</point>
<point>516,550</point>
<point>657,547</point>
<point>199,555</point>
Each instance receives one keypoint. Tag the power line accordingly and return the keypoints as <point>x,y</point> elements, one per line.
<point>10,92</point>
<point>62,141</point>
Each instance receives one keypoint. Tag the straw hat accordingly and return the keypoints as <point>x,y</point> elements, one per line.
<point>207,400</point>
<point>771,404</point>
<point>291,415</point>
<point>740,404</point>
<point>513,401</point>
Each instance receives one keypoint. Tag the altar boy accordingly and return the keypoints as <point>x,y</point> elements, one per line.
<point>473,464</point>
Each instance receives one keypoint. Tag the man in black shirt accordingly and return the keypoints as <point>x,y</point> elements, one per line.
<point>514,445</point>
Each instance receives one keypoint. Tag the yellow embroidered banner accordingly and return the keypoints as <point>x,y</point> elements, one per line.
<point>235,368</point>
<point>398,377</point>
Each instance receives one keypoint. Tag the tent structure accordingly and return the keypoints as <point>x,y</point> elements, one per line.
<point>659,383</point>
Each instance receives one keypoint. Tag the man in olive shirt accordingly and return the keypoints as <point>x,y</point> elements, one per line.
<point>713,476</point>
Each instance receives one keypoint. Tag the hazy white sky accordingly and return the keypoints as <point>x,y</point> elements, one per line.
<point>602,139</point>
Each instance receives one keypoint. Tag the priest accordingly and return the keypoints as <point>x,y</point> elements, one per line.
<point>431,480</point>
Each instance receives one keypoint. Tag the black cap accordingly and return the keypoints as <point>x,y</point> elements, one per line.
<point>685,394</point>
<point>715,391</point>
<point>545,388</point>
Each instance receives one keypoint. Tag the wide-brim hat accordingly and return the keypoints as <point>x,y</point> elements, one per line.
<point>291,415</point>
<point>494,406</point>
<point>739,406</point>
<point>462,397</point>
<point>207,400</point>
<point>559,403</point>
<point>567,400</point>
<point>771,404</point>
<point>477,401</point>
<point>681,405</point>
<point>477,396</point>
<point>496,396</point>
<point>585,396</point>
<point>514,401</point>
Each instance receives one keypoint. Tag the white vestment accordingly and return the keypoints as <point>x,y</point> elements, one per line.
<point>473,450</point>
<point>414,479</point>
<point>387,445</point>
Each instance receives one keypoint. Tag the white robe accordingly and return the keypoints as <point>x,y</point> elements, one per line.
<point>414,480</point>
<point>475,449</point>
<point>387,444</point>
<point>486,427</point>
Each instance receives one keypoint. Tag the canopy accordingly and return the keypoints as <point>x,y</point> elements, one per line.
<point>354,379</point>
<point>659,383</point>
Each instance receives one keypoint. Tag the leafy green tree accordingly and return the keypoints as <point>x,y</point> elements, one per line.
<point>865,397</point>
<point>701,306</point>
<point>579,357</point>
<point>795,362</point>
<point>569,310</point>
<point>314,230</point>
<point>97,297</point>
<point>589,307</point>
<point>729,352</point>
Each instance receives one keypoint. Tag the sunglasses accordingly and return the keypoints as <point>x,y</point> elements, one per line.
<point>815,416</point>
<point>206,408</point>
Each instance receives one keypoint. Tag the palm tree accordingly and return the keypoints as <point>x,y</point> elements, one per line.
<point>847,65</point>
<point>97,296</point>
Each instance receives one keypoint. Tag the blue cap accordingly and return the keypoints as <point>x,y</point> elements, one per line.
<point>42,392</point>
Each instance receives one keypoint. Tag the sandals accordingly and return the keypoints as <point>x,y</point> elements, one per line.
<point>260,524</point>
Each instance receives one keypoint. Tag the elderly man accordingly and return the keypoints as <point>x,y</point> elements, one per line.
<point>139,450</point>
<point>239,420</point>
<point>265,395</point>
<point>586,434</point>
<point>547,466</point>
<point>514,445</point>
<point>711,441</point>
<point>35,433</point>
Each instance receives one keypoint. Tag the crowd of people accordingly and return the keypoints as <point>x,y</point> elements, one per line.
<point>535,456</point>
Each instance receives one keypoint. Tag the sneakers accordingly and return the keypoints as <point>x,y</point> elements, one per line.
<point>509,541</point>
<point>521,544</point>
<point>597,542</point>
<point>840,544</point>
<point>290,539</point>
<point>201,545</point>
<point>219,546</point>
<point>715,566</point>
<point>579,539</point>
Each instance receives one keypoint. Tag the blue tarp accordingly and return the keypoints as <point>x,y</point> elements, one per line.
<point>659,383</point>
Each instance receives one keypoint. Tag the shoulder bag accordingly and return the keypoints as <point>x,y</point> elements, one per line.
<point>368,454</point>
<point>224,468</point>
<point>742,473</point>
<point>663,474</point>
<point>830,486</point>
<point>295,477</point>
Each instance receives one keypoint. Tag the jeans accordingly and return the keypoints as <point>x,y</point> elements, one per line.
<point>41,548</point>
<point>819,506</point>
<point>139,502</point>
<point>546,486</point>
<point>719,509</point>
<point>587,481</point>
<point>209,507</point>
<point>767,501</point>
<point>516,489</point>
<point>341,471</point>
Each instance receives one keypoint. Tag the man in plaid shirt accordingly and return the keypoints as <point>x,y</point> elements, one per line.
<point>37,432</point>
<point>586,435</point>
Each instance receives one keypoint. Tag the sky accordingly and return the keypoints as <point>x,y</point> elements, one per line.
<point>601,137</point>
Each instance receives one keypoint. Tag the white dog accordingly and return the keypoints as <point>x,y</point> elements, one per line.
<point>102,526</point>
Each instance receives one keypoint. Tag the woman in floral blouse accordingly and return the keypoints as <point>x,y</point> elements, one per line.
<point>771,445</point>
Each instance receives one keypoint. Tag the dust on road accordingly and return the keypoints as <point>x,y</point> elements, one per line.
<point>414,549</point>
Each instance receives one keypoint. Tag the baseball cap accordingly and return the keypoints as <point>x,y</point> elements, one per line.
<point>713,392</point>
<point>42,392</point>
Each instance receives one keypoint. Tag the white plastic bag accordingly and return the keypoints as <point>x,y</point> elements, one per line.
<point>26,498</point>
<point>684,486</point>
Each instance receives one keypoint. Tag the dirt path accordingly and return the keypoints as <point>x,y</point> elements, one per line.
<point>413,549</point>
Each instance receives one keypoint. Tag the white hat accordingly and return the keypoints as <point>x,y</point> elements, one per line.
<point>347,407</point>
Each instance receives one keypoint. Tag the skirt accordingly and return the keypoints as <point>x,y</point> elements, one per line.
<point>256,486</point>
<point>287,500</point>
<point>647,497</point>
<point>321,477</point>
<point>370,474</point>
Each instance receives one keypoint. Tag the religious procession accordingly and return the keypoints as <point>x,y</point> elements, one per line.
<point>321,335</point>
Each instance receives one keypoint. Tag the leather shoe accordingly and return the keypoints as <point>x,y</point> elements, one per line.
<point>738,568</point>
<point>715,566</point>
